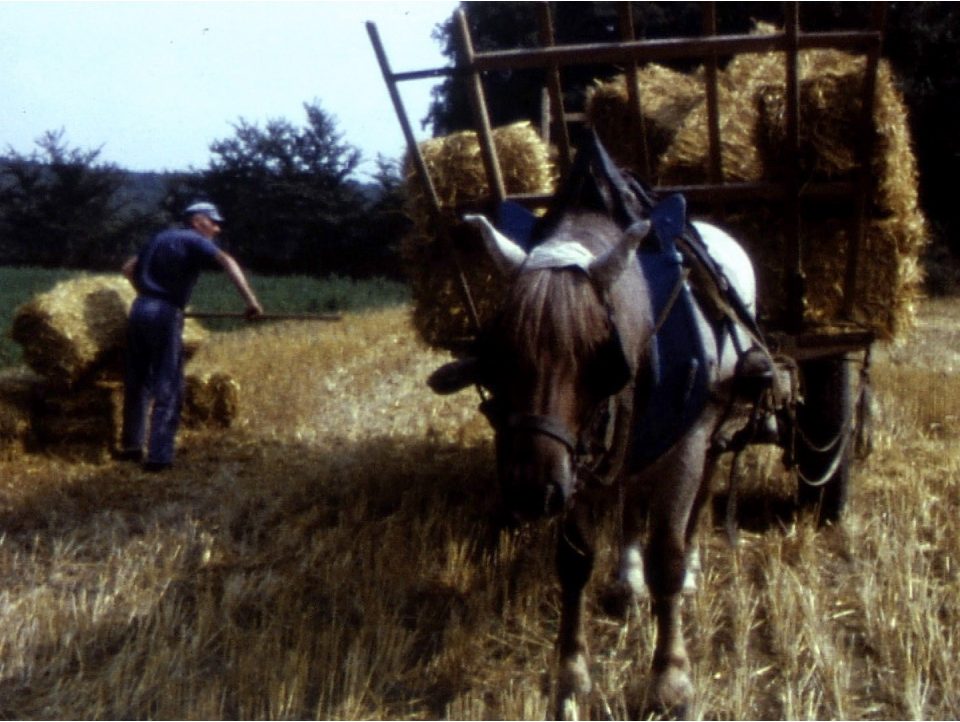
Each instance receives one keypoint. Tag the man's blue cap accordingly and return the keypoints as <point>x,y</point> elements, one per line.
<point>207,209</point>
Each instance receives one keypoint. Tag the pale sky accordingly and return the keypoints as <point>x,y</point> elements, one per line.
<point>155,83</point>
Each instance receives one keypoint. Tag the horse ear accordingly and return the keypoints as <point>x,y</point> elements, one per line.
<point>606,269</point>
<point>506,254</point>
<point>455,375</point>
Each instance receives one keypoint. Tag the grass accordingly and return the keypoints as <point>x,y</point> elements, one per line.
<point>335,555</point>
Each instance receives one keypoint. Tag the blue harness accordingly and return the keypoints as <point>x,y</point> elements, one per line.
<point>678,388</point>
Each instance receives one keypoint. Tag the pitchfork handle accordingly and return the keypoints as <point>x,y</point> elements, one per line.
<point>265,316</point>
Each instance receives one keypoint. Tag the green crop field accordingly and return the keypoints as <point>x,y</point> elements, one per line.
<point>279,294</point>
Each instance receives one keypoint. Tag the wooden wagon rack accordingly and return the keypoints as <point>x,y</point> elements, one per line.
<point>795,334</point>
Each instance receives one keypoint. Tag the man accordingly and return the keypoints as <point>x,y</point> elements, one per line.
<point>164,273</point>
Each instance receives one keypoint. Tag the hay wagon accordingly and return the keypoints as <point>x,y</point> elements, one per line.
<point>796,140</point>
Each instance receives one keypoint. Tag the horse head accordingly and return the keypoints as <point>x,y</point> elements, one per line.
<point>557,351</point>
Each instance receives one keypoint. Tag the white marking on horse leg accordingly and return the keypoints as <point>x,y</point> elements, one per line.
<point>692,572</point>
<point>631,569</point>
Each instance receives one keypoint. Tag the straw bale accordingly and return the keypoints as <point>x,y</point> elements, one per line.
<point>666,98</point>
<point>92,415</point>
<point>210,400</point>
<point>753,134</point>
<point>66,331</point>
<point>889,281</point>
<point>687,159</point>
<point>17,390</point>
<point>78,328</point>
<point>431,250</point>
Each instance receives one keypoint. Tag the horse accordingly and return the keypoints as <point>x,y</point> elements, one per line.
<point>573,344</point>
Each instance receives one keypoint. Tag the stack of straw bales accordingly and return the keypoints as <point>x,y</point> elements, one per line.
<point>77,330</point>
<point>751,103</point>
<point>72,338</point>
<point>666,98</point>
<point>455,164</point>
<point>16,398</point>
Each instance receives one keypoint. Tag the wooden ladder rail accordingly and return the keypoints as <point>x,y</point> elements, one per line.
<point>488,151</point>
<point>422,173</point>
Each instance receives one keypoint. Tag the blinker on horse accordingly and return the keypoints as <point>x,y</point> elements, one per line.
<point>576,342</point>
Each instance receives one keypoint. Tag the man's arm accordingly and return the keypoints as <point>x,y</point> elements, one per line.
<point>240,281</point>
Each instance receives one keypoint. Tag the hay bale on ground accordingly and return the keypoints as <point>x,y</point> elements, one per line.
<point>79,328</point>
<point>67,331</point>
<point>455,164</point>
<point>17,392</point>
<point>210,400</point>
<point>88,417</point>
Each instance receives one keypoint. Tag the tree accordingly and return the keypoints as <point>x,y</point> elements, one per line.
<point>60,208</point>
<point>385,223</point>
<point>286,193</point>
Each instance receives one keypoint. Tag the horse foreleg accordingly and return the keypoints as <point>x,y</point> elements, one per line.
<point>575,558</point>
<point>671,688</point>
<point>673,509</point>
<point>631,580</point>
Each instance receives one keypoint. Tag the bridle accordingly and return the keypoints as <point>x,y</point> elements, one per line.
<point>548,426</point>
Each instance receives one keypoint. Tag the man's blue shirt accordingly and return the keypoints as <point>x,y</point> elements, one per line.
<point>169,265</point>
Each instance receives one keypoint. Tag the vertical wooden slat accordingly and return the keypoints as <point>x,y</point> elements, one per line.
<point>413,148</point>
<point>639,139</point>
<point>555,89</point>
<point>423,174</point>
<point>545,116</point>
<point>485,135</point>
<point>794,251</point>
<point>713,104</point>
<point>864,153</point>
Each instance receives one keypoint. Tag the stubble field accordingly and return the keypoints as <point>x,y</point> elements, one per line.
<point>335,555</point>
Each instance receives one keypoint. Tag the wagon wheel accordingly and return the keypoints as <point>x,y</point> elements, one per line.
<point>824,451</point>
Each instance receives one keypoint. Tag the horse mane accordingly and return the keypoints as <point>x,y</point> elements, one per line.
<point>557,311</point>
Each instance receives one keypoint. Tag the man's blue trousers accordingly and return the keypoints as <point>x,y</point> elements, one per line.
<point>154,371</point>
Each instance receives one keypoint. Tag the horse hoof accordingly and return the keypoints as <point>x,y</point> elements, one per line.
<point>670,694</point>
<point>573,684</point>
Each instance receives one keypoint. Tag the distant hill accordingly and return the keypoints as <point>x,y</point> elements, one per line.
<point>145,191</point>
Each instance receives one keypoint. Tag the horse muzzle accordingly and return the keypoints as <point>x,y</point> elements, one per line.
<point>535,462</point>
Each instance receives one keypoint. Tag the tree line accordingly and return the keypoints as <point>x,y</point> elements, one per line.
<point>289,193</point>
